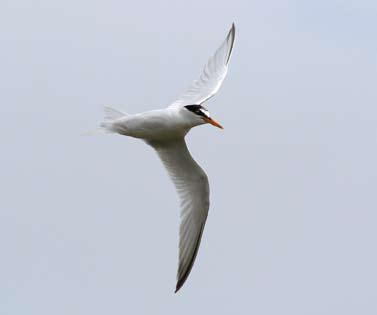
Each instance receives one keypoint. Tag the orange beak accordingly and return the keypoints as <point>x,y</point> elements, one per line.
<point>213,122</point>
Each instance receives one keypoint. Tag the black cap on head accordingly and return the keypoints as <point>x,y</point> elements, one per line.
<point>198,110</point>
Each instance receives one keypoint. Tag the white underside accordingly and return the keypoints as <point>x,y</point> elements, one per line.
<point>164,124</point>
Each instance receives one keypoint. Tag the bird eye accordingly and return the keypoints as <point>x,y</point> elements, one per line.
<point>204,112</point>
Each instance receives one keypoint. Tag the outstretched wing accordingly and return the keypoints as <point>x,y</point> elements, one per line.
<point>212,76</point>
<point>191,183</point>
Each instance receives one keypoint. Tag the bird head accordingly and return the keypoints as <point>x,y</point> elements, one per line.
<point>201,115</point>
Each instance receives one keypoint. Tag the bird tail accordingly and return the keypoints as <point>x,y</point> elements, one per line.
<point>112,114</point>
<point>107,126</point>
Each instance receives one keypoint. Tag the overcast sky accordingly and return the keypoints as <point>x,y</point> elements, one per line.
<point>89,225</point>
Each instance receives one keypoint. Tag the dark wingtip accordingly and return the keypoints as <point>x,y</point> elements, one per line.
<point>182,279</point>
<point>231,36</point>
<point>178,286</point>
<point>232,29</point>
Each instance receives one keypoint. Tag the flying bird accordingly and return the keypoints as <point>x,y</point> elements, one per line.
<point>165,131</point>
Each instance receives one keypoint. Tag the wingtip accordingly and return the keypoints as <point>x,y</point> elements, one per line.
<point>178,287</point>
<point>181,281</point>
<point>233,28</point>
<point>230,39</point>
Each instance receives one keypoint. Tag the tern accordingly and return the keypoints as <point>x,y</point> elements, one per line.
<point>165,131</point>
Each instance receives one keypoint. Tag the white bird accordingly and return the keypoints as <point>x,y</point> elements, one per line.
<point>165,130</point>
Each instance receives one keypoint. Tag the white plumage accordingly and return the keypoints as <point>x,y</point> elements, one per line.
<point>165,130</point>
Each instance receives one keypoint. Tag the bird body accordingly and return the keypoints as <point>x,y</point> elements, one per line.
<point>162,124</point>
<point>165,130</point>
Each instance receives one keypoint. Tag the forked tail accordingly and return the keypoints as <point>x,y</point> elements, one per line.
<point>111,115</point>
<point>107,126</point>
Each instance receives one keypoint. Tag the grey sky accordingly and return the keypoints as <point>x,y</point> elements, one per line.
<point>88,225</point>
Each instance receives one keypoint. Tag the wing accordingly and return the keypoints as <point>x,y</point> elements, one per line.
<point>191,183</point>
<point>212,76</point>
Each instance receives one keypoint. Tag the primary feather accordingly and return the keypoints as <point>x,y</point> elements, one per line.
<point>212,76</point>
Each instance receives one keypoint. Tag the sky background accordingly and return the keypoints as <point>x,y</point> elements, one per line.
<point>89,225</point>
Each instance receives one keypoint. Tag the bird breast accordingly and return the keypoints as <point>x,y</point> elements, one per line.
<point>153,125</point>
